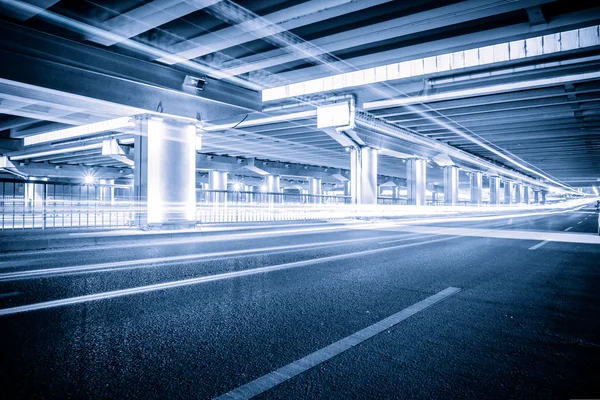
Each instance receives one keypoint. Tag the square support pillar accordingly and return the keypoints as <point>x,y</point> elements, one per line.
<point>526,195</point>
<point>165,173</point>
<point>518,197</point>
<point>416,181</point>
<point>507,193</point>
<point>363,169</point>
<point>217,181</point>
<point>476,188</point>
<point>494,190</point>
<point>536,197</point>
<point>450,185</point>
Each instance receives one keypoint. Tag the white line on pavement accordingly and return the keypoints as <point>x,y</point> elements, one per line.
<point>203,279</point>
<point>537,246</point>
<point>149,262</point>
<point>579,222</point>
<point>568,229</point>
<point>300,366</point>
<point>9,294</point>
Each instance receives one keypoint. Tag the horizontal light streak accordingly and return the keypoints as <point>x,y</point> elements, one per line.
<point>260,121</point>
<point>204,279</point>
<point>487,55</point>
<point>205,257</point>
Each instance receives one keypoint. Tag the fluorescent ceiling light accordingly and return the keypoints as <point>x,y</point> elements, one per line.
<point>79,131</point>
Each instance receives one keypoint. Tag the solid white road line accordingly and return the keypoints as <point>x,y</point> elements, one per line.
<point>9,294</point>
<point>579,222</point>
<point>513,234</point>
<point>153,262</point>
<point>203,279</point>
<point>568,229</point>
<point>300,366</point>
<point>537,246</point>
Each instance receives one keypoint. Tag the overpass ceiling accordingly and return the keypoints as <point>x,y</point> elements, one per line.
<point>542,110</point>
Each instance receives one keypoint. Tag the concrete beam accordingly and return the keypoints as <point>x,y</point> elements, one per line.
<point>63,171</point>
<point>50,62</point>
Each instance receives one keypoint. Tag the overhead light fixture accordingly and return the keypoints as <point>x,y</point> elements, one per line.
<point>197,83</point>
<point>79,131</point>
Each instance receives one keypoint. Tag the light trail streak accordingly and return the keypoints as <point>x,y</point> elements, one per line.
<point>206,257</point>
<point>204,279</point>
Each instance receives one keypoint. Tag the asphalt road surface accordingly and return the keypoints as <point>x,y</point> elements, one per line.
<point>201,319</point>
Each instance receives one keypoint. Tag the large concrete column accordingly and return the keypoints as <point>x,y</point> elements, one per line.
<point>526,195</point>
<point>494,190</point>
<point>416,181</point>
<point>450,185</point>
<point>272,182</point>
<point>518,196</point>
<point>476,188</point>
<point>165,172</point>
<point>34,196</point>
<point>107,191</point>
<point>395,192</point>
<point>363,169</point>
<point>348,192</point>
<point>543,197</point>
<point>507,193</point>
<point>217,181</point>
<point>314,189</point>
<point>536,197</point>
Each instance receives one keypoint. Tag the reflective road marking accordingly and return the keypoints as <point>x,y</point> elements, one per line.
<point>540,244</point>
<point>2,295</point>
<point>568,229</point>
<point>203,279</point>
<point>295,368</point>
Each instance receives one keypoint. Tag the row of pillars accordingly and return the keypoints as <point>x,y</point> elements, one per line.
<point>165,176</point>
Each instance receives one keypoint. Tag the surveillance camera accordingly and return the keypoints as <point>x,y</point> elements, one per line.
<point>197,83</point>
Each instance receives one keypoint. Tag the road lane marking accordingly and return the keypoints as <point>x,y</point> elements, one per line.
<point>153,262</point>
<point>203,279</point>
<point>568,229</point>
<point>579,222</point>
<point>403,240</point>
<point>3,295</point>
<point>540,244</point>
<point>302,365</point>
<point>561,237</point>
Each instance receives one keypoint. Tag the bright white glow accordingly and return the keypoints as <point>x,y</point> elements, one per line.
<point>237,186</point>
<point>198,142</point>
<point>88,179</point>
<point>79,131</point>
<point>330,115</point>
<point>263,188</point>
<point>520,49</point>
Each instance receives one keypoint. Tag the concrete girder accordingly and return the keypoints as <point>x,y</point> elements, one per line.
<point>457,43</point>
<point>114,150</point>
<point>63,171</point>
<point>260,27</point>
<point>146,17</point>
<point>162,88</point>
<point>398,27</point>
